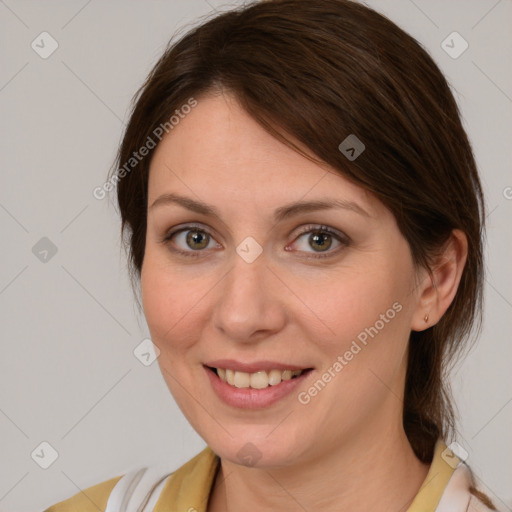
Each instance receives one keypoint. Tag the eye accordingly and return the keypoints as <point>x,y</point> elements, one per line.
<point>321,239</point>
<point>190,240</point>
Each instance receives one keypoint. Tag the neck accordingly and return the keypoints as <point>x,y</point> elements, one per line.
<point>377,470</point>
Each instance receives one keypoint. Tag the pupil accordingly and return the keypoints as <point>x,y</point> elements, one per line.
<point>320,239</point>
<point>197,240</point>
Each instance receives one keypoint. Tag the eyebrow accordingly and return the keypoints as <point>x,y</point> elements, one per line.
<point>280,214</point>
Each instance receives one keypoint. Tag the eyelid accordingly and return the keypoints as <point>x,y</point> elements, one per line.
<point>176,230</point>
<point>325,229</point>
<point>185,227</point>
<point>341,237</point>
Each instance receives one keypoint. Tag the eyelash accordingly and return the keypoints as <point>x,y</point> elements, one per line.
<point>343,239</point>
<point>315,228</point>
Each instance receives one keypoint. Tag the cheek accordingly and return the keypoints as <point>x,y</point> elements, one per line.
<point>373,327</point>
<point>171,304</point>
<point>363,364</point>
<point>351,302</point>
<point>368,317</point>
<point>171,300</point>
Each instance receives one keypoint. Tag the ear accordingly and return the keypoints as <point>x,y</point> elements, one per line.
<point>438,288</point>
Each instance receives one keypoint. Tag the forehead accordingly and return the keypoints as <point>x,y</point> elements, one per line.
<point>219,150</point>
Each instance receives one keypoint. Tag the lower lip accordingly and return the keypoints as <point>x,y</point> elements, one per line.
<point>249,398</point>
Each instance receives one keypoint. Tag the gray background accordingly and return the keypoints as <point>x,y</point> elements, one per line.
<point>69,325</point>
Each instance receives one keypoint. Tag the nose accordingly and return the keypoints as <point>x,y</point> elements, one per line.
<point>249,305</point>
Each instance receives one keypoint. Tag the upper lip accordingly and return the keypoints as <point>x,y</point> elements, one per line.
<point>255,366</point>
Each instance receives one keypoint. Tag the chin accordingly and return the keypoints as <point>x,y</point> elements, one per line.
<point>255,447</point>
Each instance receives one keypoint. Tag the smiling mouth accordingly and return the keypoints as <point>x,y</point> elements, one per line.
<point>257,380</point>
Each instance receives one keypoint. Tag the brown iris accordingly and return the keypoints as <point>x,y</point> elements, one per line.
<point>197,239</point>
<point>323,241</point>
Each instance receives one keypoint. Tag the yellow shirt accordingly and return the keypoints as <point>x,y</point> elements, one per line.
<point>188,488</point>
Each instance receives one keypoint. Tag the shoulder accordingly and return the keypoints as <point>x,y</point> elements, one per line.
<point>91,499</point>
<point>148,488</point>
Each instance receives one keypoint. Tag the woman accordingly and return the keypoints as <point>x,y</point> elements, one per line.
<point>304,214</point>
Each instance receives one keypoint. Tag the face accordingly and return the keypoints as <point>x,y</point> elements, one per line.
<point>260,265</point>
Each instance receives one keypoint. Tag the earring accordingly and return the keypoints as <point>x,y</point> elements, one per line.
<point>426,318</point>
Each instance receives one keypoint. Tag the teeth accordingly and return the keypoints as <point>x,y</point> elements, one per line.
<point>274,377</point>
<point>242,380</point>
<point>257,380</point>
<point>287,375</point>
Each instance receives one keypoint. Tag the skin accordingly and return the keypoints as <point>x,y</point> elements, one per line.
<point>334,453</point>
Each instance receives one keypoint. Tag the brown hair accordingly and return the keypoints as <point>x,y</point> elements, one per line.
<point>320,71</point>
